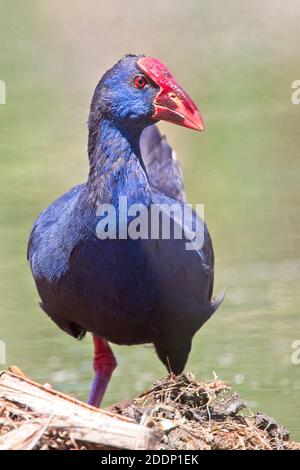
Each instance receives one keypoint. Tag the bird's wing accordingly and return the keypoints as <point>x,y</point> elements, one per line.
<point>163,170</point>
<point>48,218</point>
<point>188,261</point>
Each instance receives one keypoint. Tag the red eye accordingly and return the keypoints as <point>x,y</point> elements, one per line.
<point>140,81</point>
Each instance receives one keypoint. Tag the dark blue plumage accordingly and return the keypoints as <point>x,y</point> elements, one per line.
<point>124,291</point>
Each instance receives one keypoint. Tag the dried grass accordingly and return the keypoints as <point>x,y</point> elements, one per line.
<point>200,415</point>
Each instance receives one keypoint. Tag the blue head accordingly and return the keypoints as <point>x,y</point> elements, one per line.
<point>138,91</point>
<point>125,95</point>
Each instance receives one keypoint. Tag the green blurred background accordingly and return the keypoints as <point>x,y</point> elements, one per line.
<point>238,60</point>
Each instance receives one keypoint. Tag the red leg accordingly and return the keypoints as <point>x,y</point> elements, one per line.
<point>104,365</point>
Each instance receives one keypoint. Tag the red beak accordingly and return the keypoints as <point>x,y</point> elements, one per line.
<point>172,103</point>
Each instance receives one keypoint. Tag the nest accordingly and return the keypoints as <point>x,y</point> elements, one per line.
<point>178,413</point>
<point>204,415</point>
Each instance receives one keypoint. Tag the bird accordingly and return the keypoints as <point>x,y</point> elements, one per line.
<point>127,290</point>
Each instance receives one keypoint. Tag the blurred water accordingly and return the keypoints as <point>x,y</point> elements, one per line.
<point>238,64</point>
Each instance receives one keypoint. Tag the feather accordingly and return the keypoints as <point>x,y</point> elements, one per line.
<point>164,171</point>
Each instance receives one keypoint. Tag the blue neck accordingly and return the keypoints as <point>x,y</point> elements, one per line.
<point>116,166</point>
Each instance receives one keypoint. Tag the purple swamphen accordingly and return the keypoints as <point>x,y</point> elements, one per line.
<point>121,289</point>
